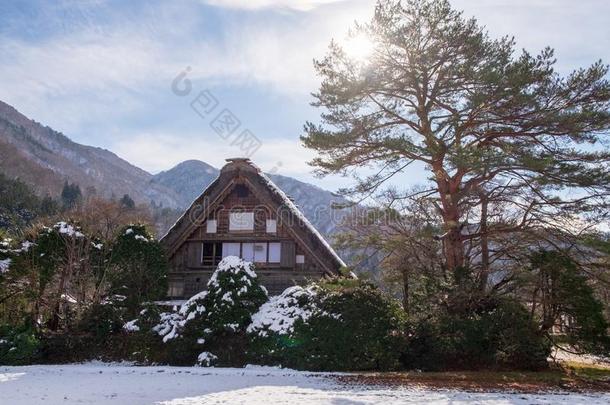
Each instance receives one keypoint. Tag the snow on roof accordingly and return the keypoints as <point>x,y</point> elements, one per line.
<point>295,210</point>
<point>277,191</point>
<point>291,206</point>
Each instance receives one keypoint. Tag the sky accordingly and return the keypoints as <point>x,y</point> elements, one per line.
<point>153,80</point>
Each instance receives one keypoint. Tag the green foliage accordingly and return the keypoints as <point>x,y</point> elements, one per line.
<point>146,345</point>
<point>127,202</point>
<point>49,206</point>
<point>356,328</point>
<point>339,284</point>
<point>211,321</point>
<point>567,296</point>
<point>219,317</point>
<point>479,115</point>
<point>233,295</point>
<point>353,327</point>
<point>18,345</point>
<point>19,206</point>
<point>48,255</point>
<point>140,272</point>
<point>71,195</point>
<point>102,320</point>
<point>47,268</point>
<point>498,334</point>
<point>272,331</point>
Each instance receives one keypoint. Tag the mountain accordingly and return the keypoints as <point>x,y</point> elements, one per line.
<point>188,179</point>
<point>45,158</point>
<point>316,203</point>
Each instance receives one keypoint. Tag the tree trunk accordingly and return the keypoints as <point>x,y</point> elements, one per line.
<point>453,244</point>
<point>67,269</point>
<point>484,274</point>
<point>405,290</point>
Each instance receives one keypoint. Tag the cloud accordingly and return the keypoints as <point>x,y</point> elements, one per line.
<point>160,151</point>
<point>65,81</point>
<point>106,70</point>
<point>298,5</point>
<point>276,55</point>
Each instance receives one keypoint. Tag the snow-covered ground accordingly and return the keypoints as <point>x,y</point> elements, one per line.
<point>565,356</point>
<point>97,383</point>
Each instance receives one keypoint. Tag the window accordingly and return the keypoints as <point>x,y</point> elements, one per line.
<point>175,289</point>
<point>211,226</point>
<point>275,249</point>
<point>211,254</point>
<point>230,249</point>
<point>247,251</point>
<point>241,221</point>
<point>271,226</point>
<point>260,252</point>
<point>257,252</point>
<point>300,259</point>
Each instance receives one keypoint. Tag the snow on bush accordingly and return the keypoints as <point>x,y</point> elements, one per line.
<point>214,320</point>
<point>206,359</point>
<point>5,253</point>
<point>280,313</point>
<point>141,238</point>
<point>233,295</point>
<point>131,326</point>
<point>209,320</point>
<point>68,229</point>
<point>113,299</point>
<point>4,265</point>
<point>194,306</point>
<point>5,247</point>
<point>170,325</point>
<point>26,245</point>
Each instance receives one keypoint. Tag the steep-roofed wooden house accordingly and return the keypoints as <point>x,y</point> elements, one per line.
<point>243,213</point>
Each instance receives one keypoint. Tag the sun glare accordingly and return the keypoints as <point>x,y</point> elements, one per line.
<point>358,47</point>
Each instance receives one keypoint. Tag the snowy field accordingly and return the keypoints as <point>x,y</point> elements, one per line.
<point>98,383</point>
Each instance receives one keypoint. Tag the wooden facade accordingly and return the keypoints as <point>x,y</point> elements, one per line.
<point>243,213</point>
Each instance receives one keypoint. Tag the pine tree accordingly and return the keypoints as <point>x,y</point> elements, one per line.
<point>127,202</point>
<point>509,144</point>
<point>48,206</point>
<point>140,268</point>
<point>562,296</point>
<point>71,195</point>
